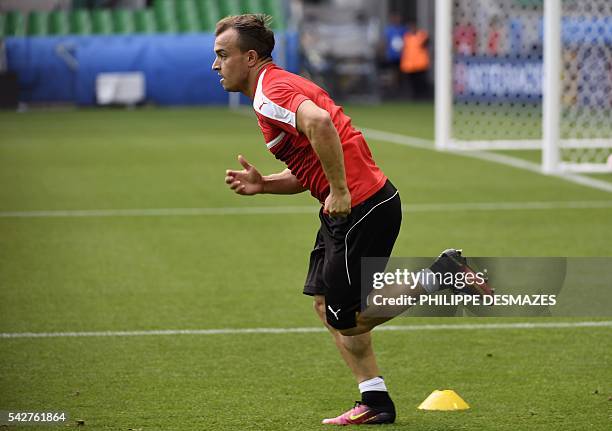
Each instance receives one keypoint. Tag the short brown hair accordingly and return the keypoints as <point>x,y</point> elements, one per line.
<point>253,32</point>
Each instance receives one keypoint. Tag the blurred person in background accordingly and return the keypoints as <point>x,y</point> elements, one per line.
<point>391,49</point>
<point>494,36</point>
<point>464,38</point>
<point>415,62</point>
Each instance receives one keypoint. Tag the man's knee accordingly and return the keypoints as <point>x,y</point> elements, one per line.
<point>351,332</point>
<point>363,325</point>
<point>319,305</point>
<point>358,329</point>
<point>358,345</point>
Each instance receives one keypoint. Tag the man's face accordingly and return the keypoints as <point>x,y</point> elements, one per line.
<point>231,63</point>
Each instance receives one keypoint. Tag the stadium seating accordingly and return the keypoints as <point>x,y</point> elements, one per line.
<point>274,8</point>
<point>144,21</point>
<point>123,21</point>
<point>80,4</point>
<point>252,6</point>
<point>59,23</point>
<point>165,16</point>
<point>102,22</point>
<point>37,24</point>
<point>187,16</point>
<point>80,22</point>
<point>15,24</point>
<point>208,12</point>
<point>230,7</point>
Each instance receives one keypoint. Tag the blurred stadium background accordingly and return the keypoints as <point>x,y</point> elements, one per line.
<point>114,217</point>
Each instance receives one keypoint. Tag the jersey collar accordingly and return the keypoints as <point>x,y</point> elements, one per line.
<point>266,67</point>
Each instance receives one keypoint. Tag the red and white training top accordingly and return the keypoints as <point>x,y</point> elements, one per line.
<point>277,97</point>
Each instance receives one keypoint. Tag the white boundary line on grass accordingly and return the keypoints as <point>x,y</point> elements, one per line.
<point>514,162</point>
<point>239,331</point>
<point>226,211</point>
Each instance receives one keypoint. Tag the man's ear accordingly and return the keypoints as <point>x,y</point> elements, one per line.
<point>252,57</point>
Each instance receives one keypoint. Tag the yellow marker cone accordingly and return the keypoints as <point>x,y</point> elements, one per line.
<point>444,400</point>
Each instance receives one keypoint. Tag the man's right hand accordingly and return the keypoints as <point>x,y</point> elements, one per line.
<point>338,203</point>
<point>245,182</point>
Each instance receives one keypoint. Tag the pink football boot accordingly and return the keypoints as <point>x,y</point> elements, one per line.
<point>362,415</point>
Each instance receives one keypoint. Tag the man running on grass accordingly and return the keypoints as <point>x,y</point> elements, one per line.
<point>361,209</point>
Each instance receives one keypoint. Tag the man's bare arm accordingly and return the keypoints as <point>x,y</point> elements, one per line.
<point>249,181</point>
<point>283,183</point>
<point>317,125</point>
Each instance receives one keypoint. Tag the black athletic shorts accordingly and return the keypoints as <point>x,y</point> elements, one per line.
<point>370,230</point>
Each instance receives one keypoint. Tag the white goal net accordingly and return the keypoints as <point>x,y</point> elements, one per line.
<point>527,75</point>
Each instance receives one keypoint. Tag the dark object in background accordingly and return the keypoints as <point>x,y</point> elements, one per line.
<point>9,90</point>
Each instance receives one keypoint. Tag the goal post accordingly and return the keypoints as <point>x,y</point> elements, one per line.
<point>443,73</point>
<point>526,75</point>
<point>551,87</point>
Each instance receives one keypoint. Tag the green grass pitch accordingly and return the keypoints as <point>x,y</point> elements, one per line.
<point>62,274</point>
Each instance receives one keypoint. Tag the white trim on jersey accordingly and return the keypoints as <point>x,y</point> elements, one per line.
<point>268,108</point>
<point>348,276</point>
<point>276,140</point>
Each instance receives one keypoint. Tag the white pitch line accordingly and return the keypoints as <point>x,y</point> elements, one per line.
<point>507,206</point>
<point>411,141</point>
<point>239,331</point>
<point>226,211</point>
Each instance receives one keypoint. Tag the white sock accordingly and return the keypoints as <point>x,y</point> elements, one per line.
<point>375,384</point>
<point>429,281</point>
